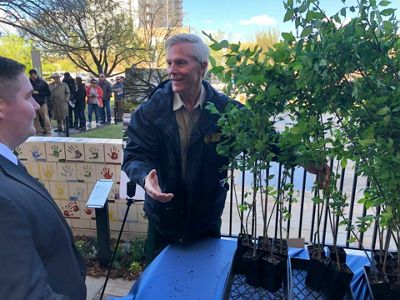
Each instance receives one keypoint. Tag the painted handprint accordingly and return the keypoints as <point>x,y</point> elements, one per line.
<point>36,154</point>
<point>94,153</point>
<point>66,171</point>
<point>106,173</point>
<point>87,171</point>
<point>88,211</point>
<point>75,151</point>
<point>114,153</point>
<point>115,193</point>
<point>17,151</point>
<point>70,209</point>
<point>49,172</point>
<point>77,194</point>
<point>59,190</point>
<point>55,151</point>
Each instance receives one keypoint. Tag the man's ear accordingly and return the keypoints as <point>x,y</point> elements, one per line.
<point>3,103</point>
<point>204,66</point>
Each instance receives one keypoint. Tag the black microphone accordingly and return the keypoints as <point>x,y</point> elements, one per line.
<point>131,189</point>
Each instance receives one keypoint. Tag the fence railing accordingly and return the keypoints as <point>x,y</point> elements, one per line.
<point>303,222</point>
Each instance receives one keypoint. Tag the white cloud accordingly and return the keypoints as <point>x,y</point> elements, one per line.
<point>208,21</point>
<point>259,20</point>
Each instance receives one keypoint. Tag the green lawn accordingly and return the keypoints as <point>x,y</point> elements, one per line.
<point>110,131</point>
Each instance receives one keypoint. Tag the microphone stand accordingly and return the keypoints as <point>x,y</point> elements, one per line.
<point>131,190</point>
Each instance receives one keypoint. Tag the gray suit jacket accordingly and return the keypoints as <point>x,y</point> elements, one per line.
<point>38,258</point>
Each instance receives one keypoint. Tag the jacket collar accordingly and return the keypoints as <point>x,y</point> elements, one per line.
<point>163,115</point>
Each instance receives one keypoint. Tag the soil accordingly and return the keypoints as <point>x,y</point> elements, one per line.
<point>86,246</point>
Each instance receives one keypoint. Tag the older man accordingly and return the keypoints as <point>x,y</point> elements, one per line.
<point>38,259</point>
<point>60,95</point>
<point>171,150</point>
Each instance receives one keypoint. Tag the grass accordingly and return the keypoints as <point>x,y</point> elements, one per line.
<point>110,131</point>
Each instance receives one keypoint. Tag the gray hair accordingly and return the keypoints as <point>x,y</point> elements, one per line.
<point>200,49</point>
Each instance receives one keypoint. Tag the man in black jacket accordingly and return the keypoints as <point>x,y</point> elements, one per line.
<point>41,95</point>
<point>171,150</point>
<point>38,258</point>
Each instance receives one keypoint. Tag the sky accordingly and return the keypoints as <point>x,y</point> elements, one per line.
<point>241,19</point>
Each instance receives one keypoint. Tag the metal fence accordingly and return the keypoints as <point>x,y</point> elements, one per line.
<point>303,221</point>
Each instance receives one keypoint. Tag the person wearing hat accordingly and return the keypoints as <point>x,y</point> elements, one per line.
<point>60,96</point>
<point>40,94</point>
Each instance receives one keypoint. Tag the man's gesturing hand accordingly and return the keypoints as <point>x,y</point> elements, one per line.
<point>153,189</point>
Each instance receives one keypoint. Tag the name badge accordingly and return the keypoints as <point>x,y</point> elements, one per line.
<point>212,138</point>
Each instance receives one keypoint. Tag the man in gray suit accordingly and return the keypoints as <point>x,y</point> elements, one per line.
<point>38,259</point>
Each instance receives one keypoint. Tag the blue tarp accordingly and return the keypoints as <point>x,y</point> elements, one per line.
<point>201,270</point>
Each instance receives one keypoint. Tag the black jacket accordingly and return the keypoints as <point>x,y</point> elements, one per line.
<point>80,96</point>
<point>42,87</point>
<point>71,85</point>
<point>154,144</point>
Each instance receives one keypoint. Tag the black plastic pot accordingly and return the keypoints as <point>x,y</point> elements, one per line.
<point>314,249</point>
<point>244,243</point>
<point>338,281</point>
<point>264,243</point>
<point>378,285</point>
<point>272,272</point>
<point>317,272</point>
<point>341,254</point>
<point>252,264</point>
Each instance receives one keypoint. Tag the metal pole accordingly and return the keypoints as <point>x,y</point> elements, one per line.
<point>103,235</point>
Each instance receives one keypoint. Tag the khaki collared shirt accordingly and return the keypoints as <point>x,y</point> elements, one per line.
<point>186,121</point>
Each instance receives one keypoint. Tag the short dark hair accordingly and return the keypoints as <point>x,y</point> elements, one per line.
<point>9,71</point>
<point>32,71</point>
<point>78,80</point>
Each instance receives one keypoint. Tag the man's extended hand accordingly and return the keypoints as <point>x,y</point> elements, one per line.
<point>323,173</point>
<point>153,189</point>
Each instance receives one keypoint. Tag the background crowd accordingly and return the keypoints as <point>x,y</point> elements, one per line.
<point>65,101</point>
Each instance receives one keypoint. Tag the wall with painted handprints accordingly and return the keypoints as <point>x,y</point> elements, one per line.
<point>69,169</point>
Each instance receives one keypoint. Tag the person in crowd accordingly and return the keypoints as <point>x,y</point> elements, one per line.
<point>94,100</point>
<point>72,115</point>
<point>105,110</point>
<point>80,96</point>
<point>41,93</point>
<point>171,151</point>
<point>38,258</point>
<point>118,89</point>
<point>60,95</point>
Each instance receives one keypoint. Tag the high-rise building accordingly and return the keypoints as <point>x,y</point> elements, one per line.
<point>161,13</point>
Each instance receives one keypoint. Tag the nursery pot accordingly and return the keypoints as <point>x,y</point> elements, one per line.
<point>378,285</point>
<point>244,243</point>
<point>338,281</point>
<point>264,243</point>
<point>314,249</point>
<point>252,266</point>
<point>272,272</point>
<point>317,272</point>
<point>341,253</point>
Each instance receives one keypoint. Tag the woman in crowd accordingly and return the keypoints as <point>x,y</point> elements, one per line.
<point>94,99</point>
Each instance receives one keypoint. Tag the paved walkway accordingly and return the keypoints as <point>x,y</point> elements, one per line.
<point>115,287</point>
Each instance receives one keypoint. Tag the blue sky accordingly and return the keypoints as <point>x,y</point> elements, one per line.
<point>241,19</point>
